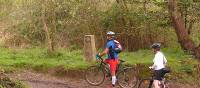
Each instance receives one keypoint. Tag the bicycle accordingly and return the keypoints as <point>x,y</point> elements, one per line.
<point>148,82</point>
<point>126,75</point>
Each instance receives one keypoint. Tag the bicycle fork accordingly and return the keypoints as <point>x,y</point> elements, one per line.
<point>150,84</point>
<point>106,69</point>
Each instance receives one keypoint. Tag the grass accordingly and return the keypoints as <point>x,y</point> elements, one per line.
<point>38,59</point>
<point>177,59</point>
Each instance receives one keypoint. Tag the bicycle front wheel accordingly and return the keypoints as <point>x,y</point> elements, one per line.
<point>145,83</point>
<point>94,75</point>
<point>127,78</point>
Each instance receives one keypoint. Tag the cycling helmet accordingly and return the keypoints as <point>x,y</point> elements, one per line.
<point>110,33</point>
<point>156,45</point>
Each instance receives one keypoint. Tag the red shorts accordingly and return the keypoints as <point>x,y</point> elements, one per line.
<point>113,64</point>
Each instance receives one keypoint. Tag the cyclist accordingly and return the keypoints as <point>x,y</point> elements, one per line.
<point>159,64</point>
<point>112,59</point>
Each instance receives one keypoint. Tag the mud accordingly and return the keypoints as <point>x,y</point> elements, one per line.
<point>45,80</point>
<point>41,80</point>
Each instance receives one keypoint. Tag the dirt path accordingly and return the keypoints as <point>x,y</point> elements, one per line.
<point>39,80</point>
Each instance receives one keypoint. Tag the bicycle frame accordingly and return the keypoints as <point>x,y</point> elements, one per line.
<point>151,80</point>
<point>103,66</point>
<point>107,70</point>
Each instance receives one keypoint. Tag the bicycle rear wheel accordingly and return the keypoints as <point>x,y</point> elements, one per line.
<point>145,83</point>
<point>95,75</point>
<point>127,78</point>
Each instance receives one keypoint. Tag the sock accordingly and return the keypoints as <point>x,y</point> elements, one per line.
<point>113,80</point>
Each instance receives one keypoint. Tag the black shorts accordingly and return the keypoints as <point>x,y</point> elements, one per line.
<point>159,75</point>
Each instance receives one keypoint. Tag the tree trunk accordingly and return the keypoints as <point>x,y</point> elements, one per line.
<point>53,32</point>
<point>48,37</point>
<point>50,47</point>
<point>181,32</point>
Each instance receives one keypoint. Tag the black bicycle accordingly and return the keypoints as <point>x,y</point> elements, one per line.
<point>126,75</point>
<point>148,82</point>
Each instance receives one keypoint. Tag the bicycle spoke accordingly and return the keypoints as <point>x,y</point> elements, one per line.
<point>127,78</point>
<point>94,75</point>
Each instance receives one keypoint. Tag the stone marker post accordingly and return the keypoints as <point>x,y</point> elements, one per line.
<point>89,48</point>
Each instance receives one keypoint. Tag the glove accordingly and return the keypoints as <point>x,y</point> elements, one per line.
<point>97,56</point>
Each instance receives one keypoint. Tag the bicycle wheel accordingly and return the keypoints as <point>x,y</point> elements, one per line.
<point>127,78</point>
<point>145,83</point>
<point>95,75</point>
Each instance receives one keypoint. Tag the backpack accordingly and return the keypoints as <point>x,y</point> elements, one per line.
<point>118,48</point>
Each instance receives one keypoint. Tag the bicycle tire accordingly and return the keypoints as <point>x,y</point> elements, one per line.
<point>94,75</point>
<point>145,83</point>
<point>127,78</point>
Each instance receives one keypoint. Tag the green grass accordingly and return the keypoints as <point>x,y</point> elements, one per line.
<point>176,58</point>
<point>38,59</point>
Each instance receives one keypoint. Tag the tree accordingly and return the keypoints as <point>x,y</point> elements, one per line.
<point>182,34</point>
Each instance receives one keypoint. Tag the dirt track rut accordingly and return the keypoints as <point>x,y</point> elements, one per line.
<point>40,80</point>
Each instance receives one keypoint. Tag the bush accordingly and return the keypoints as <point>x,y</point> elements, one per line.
<point>6,82</point>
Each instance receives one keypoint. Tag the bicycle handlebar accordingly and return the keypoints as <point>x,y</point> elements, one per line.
<point>100,58</point>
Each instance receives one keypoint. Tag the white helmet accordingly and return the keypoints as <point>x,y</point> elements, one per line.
<point>110,33</point>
